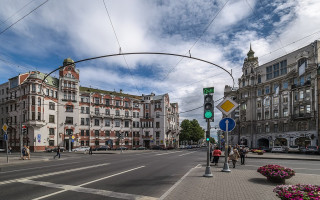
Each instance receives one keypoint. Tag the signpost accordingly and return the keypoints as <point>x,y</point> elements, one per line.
<point>5,137</point>
<point>208,90</point>
<point>227,124</point>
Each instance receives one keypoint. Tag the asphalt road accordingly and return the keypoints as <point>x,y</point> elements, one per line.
<point>102,176</point>
<point>138,175</point>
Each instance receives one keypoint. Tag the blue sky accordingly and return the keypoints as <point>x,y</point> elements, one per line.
<point>81,29</point>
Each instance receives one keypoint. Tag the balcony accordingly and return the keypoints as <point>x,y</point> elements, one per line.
<point>302,116</point>
<point>36,123</point>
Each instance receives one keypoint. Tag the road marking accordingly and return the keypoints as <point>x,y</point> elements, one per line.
<point>51,174</point>
<point>186,153</point>
<point>79,188</point>
<point>18,170</point>
<point>160,154</point>
<point>177,183</point>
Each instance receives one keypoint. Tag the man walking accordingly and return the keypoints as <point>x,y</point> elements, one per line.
<point>242,152</point>
<point>90,150</point>
<point>58,153</point>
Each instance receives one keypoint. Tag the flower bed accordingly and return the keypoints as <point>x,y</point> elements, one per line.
<point>276,172</point>
<point>297,192</point>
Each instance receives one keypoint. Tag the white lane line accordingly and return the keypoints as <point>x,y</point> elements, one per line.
<point>159,154</point>
<point>177,183</point>
<point>186,153</point>
<point>52,174</point>
<point>19,170</point>
<point>79,188</point>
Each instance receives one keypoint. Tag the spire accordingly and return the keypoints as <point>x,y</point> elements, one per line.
<point>250,54</point>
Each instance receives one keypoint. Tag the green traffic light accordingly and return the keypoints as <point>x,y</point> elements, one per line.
<point>208,139</point>
<point>208,114</point>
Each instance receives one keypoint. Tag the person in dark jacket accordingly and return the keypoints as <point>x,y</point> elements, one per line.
<point>58,153</point>
<point>242,153</point>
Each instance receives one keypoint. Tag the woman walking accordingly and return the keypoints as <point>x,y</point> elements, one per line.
<point>234,157</point>
<point>216,155</point>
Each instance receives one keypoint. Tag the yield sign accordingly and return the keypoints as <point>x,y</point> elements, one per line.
<point>5,127</point>
<point>227,106</point>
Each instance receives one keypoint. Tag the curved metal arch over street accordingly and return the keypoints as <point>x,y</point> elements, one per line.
<point>145,53</point>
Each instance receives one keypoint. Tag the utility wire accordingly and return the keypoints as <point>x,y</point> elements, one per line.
<point>196,40</point>
<point>114,31</point>
<point>23,17</point>
<point>16,13</point>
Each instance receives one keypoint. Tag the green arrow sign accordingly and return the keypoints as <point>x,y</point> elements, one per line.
<point>208,90</point>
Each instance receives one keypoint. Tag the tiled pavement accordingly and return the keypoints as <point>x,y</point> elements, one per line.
<point>239,184</point>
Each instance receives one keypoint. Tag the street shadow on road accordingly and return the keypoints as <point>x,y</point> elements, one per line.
<point>262,181</point>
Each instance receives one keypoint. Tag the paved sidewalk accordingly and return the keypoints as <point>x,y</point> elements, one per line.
<point>236,185</point>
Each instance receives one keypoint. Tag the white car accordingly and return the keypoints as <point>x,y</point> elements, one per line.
<point>82,148</point>
<point>278,149</point>
<point>293,149</point>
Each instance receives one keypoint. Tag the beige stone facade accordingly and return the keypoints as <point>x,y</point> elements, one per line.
<point>58,111</point>
<point>278,100</point>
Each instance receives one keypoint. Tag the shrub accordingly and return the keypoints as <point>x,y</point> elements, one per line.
<point>276,171</point>
<point>297,192</point>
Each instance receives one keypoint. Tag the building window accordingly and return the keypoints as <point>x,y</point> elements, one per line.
<point>51,106</point>
<point>267,89</point>
<point>87,133</point>
<point>269,72</point>
<point>301,110</point>
<point>117,134</point>
<point>302,64</point>
<point>87,110</point>
<point>126,124</point>
<point>302,126</point>
<point>82,132</point>
<point>275,70</point>
<point>307,93</point>
<point>117,103</point>
<point>285,127</point>
<point>96,122</point>
<point>82,109</point>
<point>117,112</point>
<point>157,124</point>
<point>107,102</point>
<point>285,112</point>
<point>96,142</point>
<point>267,102</point>
<point>126,134</point>
<point>267,115</point>
<point>283,67</point>
<point>51,118</point>
<point>308,109</point>
<point>275,113</point>
<point>296,96</point>
<point>126,104</point>
<point>87,121</point>
<point>301,95</point>
<point>259,129</point>
<point>107,123</point>
<point>96,100</point>
<point>117,123</point>
<point>243,83</point>
<point>302,80</point>
<point>147,106</point>
<point>285,99</point>
<point>82,143</point>
<point>157,114</point>
<point>39,116</point>
<point>147,133</point>
<point>259,78</point>
<point>51,131</point>
<point>69,108</point>
<point>126,114</point>
<point>96,111</point>
<point>51,142</point>
<point>267,129</point>
<point>107,133</point>
<point>258,116</point>
<point>96,133</point>
<point>276,100</point>
<point>87,143</point>
<point>259,92</point>
<point>285,85</point>
<point>33,101</point>
<point>69,120</point>
<point>275,128</point>
<point>107,111</point>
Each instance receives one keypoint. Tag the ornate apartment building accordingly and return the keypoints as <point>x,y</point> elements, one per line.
<point>279,104</point>
<point>58,111</point>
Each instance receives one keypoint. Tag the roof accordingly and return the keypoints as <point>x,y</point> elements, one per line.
<point>86,89</point>
<point>49,80</point>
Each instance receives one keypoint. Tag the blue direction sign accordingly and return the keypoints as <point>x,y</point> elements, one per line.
<point>39,138</point>
<point>5,137</point>
<point>223,124</point>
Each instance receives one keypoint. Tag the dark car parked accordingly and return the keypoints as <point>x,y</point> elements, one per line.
<point>141,148</point>
<point>312,149</point>
<point>103,148</point>
<point>122,148</point>
<point>157,148</point>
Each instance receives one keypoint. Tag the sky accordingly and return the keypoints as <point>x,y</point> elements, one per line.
<point>40,34</point>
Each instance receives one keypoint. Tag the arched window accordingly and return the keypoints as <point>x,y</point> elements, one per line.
<point>243,83</point>
<point>259,78</point>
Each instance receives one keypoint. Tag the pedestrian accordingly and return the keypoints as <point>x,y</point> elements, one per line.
<point>24,152</point>
<point>234,155</point>
<point>229,151</point>
<point>58,153</point>
<point>9,150</point>
<point>90,150</point>
<point>216,155</point>
<point>243,153</point>
<point>28,152</point>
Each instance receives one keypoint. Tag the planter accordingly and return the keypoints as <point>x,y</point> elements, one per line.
<point>277,180</point>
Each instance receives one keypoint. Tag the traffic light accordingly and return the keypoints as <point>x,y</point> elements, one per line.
<point>208,107</point>
<point>207,135</point>
<point>24,129</point>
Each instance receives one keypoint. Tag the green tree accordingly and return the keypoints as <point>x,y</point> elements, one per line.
<point>191,130</point>
<point>212,140</point>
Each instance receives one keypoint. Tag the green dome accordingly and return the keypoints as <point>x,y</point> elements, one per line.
<point>68,61</point>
